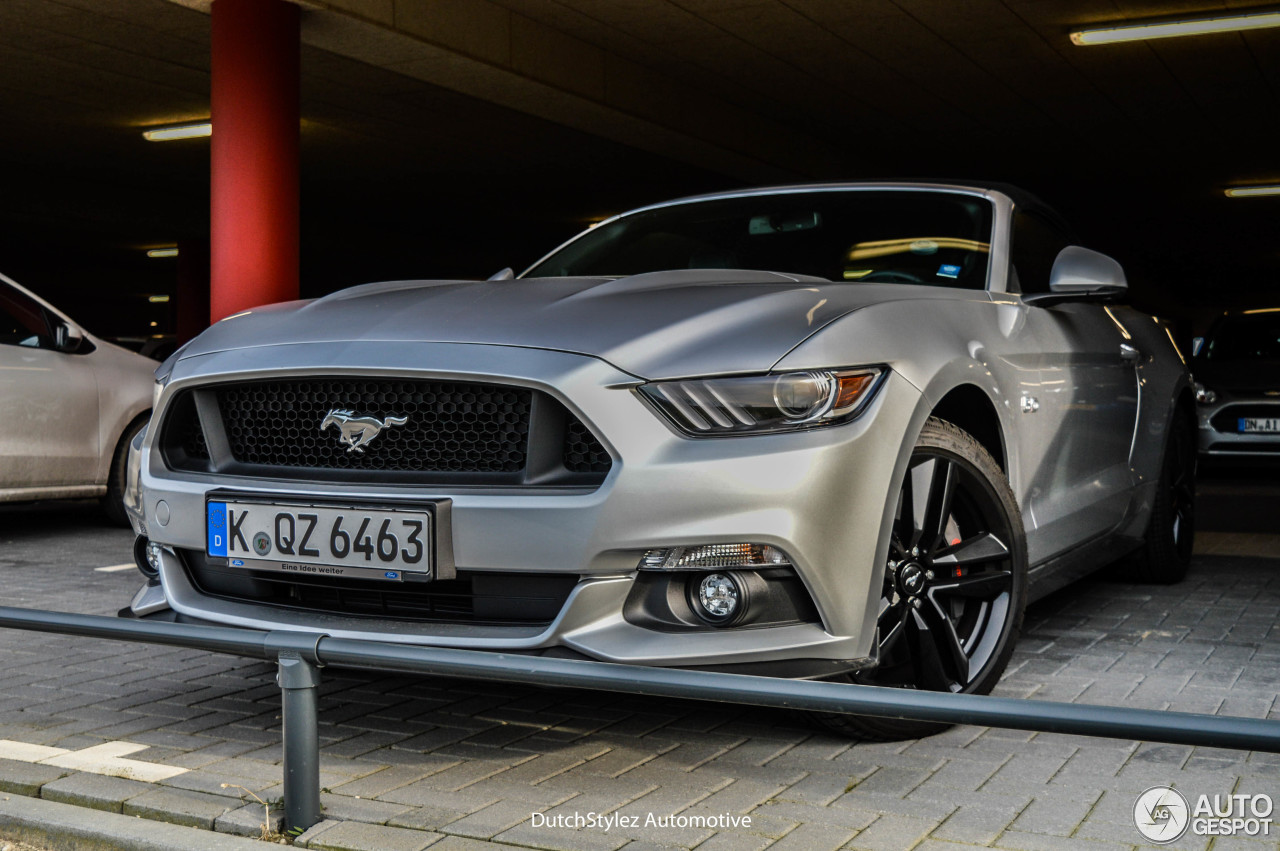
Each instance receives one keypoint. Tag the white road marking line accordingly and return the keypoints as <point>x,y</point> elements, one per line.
<point>26,752</point>
<point>116,568</point>
<point>106,758</point>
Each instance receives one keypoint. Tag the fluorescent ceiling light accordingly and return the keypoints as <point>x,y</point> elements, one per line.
<point>1172,29</point>
<point>158,299</point>
<point>178,131</point>
<point>162,252</point>
<point>1252,191</point>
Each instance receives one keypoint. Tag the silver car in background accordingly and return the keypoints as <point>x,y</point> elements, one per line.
<point>1237,373</point>
<point>841,431</point>
<point>71,404</point>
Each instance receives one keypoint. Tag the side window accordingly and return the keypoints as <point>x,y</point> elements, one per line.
<point>22,321</point>
<point>1036,243</point>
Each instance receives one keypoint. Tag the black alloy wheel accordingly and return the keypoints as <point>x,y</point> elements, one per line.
<point>955,583</point>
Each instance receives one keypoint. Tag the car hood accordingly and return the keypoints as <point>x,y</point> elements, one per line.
<point>1239,378</point>
<point>656,325</point>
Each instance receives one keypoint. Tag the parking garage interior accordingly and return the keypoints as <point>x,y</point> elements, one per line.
<point>453,138</point>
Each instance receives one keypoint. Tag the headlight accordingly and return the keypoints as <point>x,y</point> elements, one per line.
<point>1204,395</point>
<point>763,403</point>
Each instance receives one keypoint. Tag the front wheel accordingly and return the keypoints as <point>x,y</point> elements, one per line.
<point>955,584</point>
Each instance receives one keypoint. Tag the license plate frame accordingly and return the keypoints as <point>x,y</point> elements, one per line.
<point>1258,425</point>
<point>437,556</point>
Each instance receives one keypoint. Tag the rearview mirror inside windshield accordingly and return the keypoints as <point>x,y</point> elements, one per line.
<point>784,223</point>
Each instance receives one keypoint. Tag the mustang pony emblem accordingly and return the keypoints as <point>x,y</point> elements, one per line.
<point>358,432</point>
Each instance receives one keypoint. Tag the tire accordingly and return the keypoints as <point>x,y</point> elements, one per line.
<point>113,503</point>
<point>937,631</point>
<point>1165,554</point>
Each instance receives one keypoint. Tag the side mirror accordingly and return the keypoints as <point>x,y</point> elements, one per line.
<point>1080,270</point>
<point>507,274</point>
<point>1079,274</point>
<point>67,338</point>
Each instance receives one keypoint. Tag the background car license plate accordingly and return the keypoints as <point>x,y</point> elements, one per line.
<point>365,543</point>
<point>1265,425</point>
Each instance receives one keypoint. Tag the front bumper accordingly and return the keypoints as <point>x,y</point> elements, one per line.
<point>820,496</point>
<point>1218,437</point>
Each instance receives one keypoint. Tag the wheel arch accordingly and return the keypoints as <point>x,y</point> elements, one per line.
<point>957,395</point>
<point>968,407</point>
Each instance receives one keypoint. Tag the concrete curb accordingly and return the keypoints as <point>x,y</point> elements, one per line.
<point>71,828</point>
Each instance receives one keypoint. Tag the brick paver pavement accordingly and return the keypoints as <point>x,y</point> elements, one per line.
<point>411,763</point>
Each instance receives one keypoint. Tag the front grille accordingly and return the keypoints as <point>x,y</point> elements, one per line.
<point>582,452</point>
<point>1228,419</point>
<point>447,426</point>
<point>431,432</point>
<point>496,599</point>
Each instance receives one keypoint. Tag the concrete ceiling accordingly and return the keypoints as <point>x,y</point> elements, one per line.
<point>457,136</point>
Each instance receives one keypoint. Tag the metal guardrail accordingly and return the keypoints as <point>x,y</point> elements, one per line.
<point>300,656</point>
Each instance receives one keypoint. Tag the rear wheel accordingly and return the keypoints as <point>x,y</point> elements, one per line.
<point>1166,550</point>
<point>113,502</point>
<point>955,584</point>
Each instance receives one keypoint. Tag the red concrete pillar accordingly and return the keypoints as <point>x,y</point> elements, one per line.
<point>254,109</point>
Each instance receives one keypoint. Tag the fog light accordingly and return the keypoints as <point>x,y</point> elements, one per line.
<point>719,598</point>
<point>146,555</point>
<point>714,557</point>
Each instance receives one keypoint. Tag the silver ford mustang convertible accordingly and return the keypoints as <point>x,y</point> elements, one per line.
<point>841,431</point>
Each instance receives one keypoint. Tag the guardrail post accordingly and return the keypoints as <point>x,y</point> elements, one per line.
<point>298,679</point>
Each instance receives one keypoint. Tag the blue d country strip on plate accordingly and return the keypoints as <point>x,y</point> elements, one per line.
<point>366,543</point>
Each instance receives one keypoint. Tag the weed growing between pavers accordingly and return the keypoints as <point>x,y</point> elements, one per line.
<point>268,834</point>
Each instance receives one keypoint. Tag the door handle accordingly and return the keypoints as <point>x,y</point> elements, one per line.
<point>1128,352</point>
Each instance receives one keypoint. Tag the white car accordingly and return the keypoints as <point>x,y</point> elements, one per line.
<point>71,405</point>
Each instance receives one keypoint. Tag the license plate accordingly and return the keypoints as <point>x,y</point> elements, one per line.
<point>1264,425</point>
<point>321,540</point>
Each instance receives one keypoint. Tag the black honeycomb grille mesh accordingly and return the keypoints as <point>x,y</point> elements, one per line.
<point>450,426</point>
<point>193,442</point>
<point>582,452</point>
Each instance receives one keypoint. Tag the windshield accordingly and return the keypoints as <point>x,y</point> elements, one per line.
<point>1246,338</point>
<point>911,237</point>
